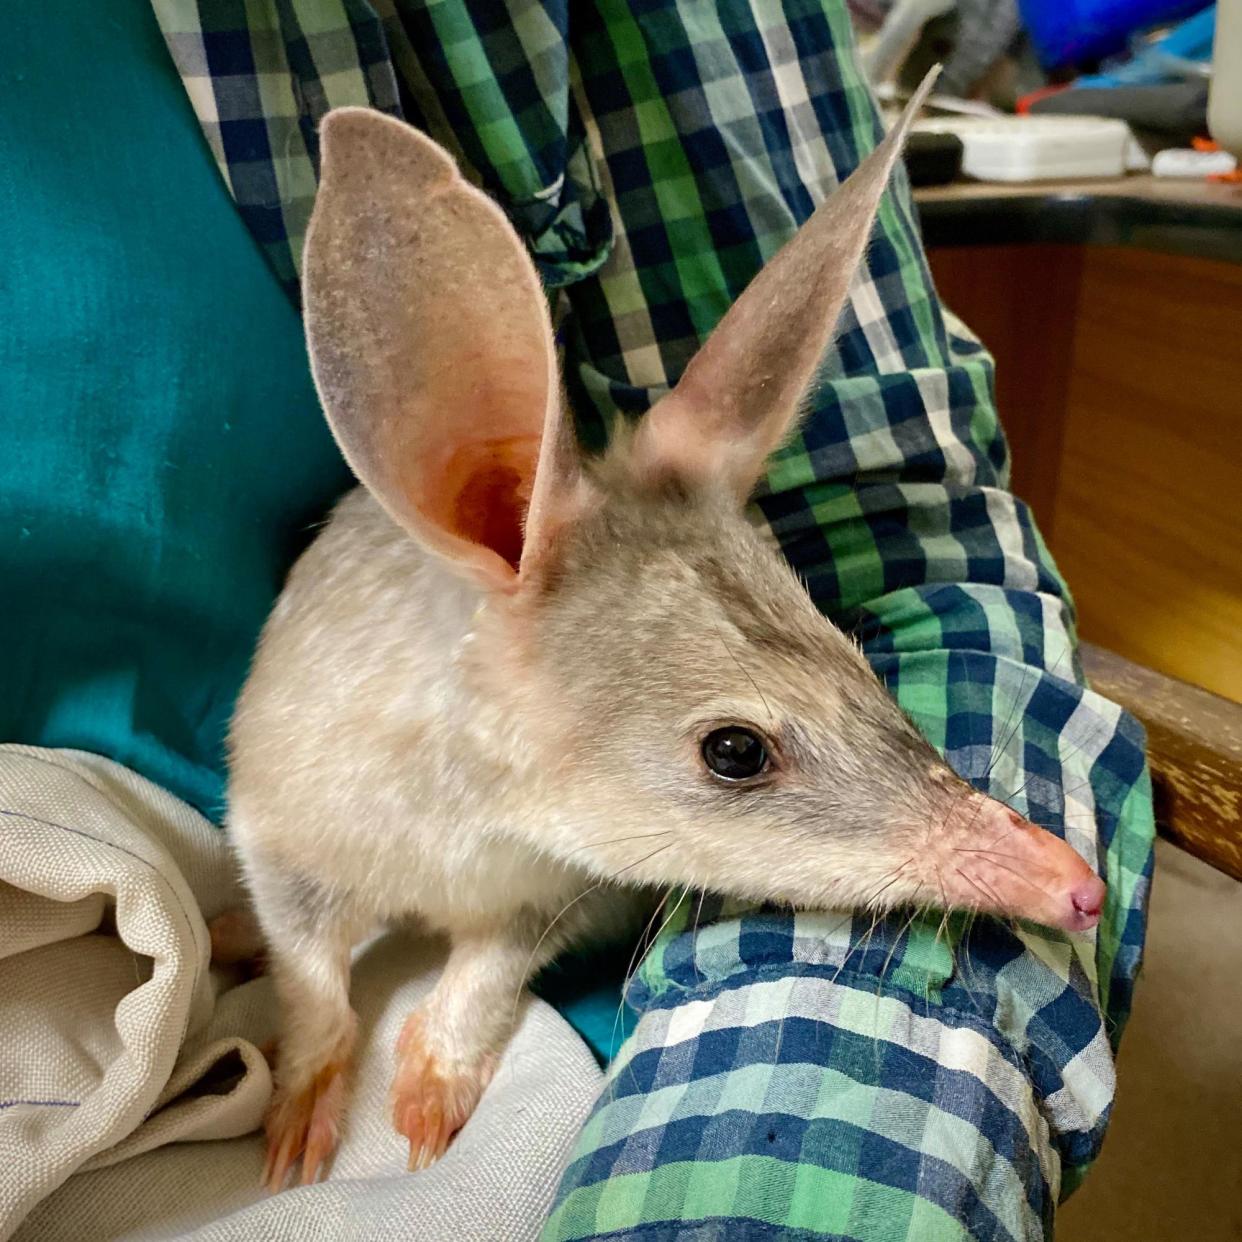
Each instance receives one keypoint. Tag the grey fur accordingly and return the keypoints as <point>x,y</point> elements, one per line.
<point>721,615</point>
<point>481,699</point>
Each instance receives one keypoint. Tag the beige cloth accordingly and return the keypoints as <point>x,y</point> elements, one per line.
<point>122,1051</point>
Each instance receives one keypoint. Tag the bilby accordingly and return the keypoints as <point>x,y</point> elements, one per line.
<point>509,685</point>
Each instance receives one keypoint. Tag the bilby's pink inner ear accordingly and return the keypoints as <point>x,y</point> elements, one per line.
<point>741,393</point>
<point>431,346</point>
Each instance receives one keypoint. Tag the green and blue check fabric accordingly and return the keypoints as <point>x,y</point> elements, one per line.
<point>819,1076</point>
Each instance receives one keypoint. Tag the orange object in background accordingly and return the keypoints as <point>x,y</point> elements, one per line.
<point>1023,105</point>
<point>1229,178</point>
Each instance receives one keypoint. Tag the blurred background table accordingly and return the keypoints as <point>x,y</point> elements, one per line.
<point>1191,218</point>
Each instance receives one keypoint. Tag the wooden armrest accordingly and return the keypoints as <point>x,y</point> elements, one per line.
<point>1194,744</point>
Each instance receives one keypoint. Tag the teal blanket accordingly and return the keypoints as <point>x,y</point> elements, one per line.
<point>164,455</point>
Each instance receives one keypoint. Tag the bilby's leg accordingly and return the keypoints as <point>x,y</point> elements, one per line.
<point>450,1045</point>
<point>310,930</point>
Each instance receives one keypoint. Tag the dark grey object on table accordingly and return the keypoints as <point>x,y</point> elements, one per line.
<point>1194,218</point>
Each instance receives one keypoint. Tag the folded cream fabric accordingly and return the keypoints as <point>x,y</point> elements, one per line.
<point>122,1052</point>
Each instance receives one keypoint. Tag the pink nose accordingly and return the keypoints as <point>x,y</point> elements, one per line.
<point>1088,902</point>
<point>1008,865</point>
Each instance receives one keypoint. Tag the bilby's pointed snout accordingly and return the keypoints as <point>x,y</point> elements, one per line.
<point>991,858</point>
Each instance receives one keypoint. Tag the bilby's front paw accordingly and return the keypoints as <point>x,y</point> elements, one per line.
<point>432,1098</point>
<point>305,1122</point>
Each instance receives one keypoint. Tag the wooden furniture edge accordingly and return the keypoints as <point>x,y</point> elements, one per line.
<point>1193,219</point>
<point>1194,742</point>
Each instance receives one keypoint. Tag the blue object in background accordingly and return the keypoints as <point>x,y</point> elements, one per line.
<point>1162,60</point>
<point>1066,32</point>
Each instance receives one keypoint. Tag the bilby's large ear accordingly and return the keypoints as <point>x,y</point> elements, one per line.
<point>742,391</point>
<point>432,349</point>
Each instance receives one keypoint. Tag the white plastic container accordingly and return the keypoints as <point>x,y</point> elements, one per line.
<point>1183,162</point>
<point>1036,148</point>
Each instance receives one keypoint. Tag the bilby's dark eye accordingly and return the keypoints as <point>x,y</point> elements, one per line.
<point>734,753</point>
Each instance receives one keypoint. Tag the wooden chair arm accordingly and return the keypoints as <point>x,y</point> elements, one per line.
<point>1194,742</point>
